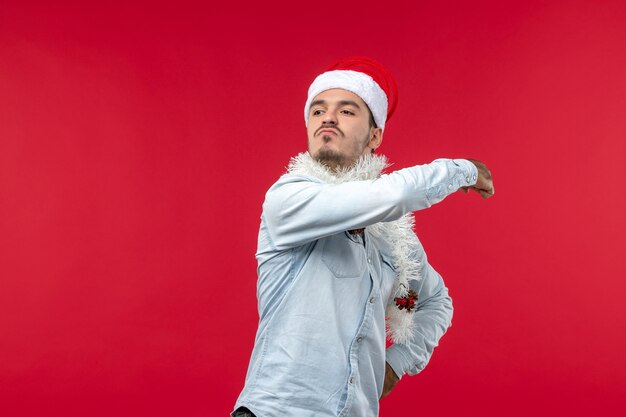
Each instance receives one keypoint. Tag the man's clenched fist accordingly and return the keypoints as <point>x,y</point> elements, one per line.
<point>484,183</point>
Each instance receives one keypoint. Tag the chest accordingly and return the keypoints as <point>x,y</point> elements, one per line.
<point>358,257</point>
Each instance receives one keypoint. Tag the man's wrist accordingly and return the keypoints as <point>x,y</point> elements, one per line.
<point>396,360</point>
<point>470,171</point>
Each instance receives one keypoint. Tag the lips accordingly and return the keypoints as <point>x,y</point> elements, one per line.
<point>326,131</point>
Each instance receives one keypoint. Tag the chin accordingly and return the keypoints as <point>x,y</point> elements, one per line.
<point>332,158</point>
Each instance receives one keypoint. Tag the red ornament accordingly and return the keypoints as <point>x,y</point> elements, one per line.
<point>407,302</point>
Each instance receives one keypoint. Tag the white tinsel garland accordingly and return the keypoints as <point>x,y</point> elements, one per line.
<point>399,234</point>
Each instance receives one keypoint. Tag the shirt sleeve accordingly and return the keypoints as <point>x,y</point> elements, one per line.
<point>299,209</point>
<point>432,317</point>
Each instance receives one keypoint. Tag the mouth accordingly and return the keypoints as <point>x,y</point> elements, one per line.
<point>328,131</point>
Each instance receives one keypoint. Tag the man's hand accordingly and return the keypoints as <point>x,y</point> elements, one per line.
<point>391,380</point>
<point>484,183</point>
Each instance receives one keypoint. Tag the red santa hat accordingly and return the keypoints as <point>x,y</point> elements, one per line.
<point>366,78</point>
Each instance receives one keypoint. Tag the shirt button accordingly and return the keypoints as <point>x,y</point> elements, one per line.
<point>372,300</point>
<point>352,380</point>
<point>467,179</point>
<point>369,260</point>
<point>449,185</point>
<point>359,339</point>
<point>474,177</point>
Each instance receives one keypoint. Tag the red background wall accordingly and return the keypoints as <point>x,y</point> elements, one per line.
<point>137,142</point>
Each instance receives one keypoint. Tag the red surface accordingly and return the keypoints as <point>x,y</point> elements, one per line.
<point>137,142</point>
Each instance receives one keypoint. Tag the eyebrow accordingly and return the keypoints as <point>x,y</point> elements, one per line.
<point>341,103</point>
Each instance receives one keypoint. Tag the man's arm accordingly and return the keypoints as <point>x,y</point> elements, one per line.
<point>484,183</point>
<point>300,209</point>
<point>432,317</point>
<point>391,380</point>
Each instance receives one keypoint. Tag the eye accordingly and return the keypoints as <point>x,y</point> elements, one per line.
<point>348,112</point>
<point>316,112</point>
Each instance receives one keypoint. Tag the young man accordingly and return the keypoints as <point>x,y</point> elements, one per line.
<point>339,266</point>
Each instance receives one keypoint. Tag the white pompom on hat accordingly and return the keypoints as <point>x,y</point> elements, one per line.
<point>364,77</point>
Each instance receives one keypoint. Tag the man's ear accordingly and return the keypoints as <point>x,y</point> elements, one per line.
<point>376,138</point>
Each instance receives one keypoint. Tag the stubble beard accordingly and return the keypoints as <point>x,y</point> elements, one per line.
<point>335,160</point>
<point>332,159</point>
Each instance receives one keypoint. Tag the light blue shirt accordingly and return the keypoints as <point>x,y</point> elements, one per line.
<point>320,346</point>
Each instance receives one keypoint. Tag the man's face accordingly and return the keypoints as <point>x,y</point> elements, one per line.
<point>339,130</point>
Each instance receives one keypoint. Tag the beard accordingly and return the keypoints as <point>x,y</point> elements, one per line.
<point>336,160</point>
<point>333,159</point>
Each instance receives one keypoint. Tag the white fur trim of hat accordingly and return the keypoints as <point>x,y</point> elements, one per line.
<point>356,82</point>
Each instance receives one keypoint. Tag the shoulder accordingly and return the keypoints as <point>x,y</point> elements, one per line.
<point>291,182</point>
<point>291,178</point>
<point>290,188</point>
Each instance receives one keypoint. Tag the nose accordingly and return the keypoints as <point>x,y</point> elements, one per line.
<point>330,118</point>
